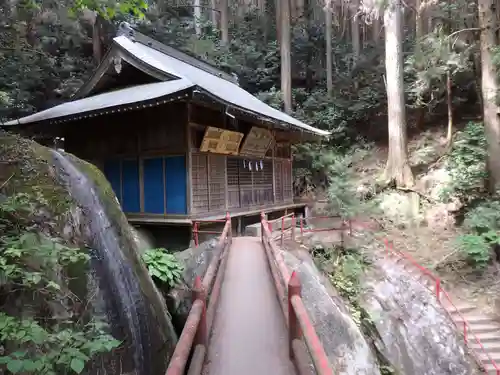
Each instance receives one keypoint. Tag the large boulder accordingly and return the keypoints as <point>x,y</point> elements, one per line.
<point>196,261</point>
<point>345,345</point>
<point>414,333</point>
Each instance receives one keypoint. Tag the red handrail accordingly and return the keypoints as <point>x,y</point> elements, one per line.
<point>196,225</point>
<point>439,292</point>
<point>197,326</point>
<point>299,323</point>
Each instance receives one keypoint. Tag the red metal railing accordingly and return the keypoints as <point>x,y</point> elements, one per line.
<point>344,225</point>
<point>438,290</point>
<point>295,313</point>
<point>284,230</point>
<point>440,293</point>
<point>197,231</point>
<point>200,318</point>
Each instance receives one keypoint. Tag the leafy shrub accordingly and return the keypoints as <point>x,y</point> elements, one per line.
<point>32,264</point>
<point>163,266</point>
<point>467,164</point>
<point>483,225</point>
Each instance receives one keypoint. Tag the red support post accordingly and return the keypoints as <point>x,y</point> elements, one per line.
<point>438,288</point>
<point>294,332</point>
<point>199,293</point>
<point>302,228</point>
<point>465,332</point>
<point>195,233</point>
<point>282,231</point>
<point>292,234</point>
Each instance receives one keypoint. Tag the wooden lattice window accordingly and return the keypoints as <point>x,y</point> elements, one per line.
<point>217,182</point>
<point>287,180</point>
<point>233,182</point>
<point>278,180</point>
<point>200,183</point>
<point>246,185</point>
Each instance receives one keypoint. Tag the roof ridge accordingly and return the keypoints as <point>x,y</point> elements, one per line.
<point>127,31</point>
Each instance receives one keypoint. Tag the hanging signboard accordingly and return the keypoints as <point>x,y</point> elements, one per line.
<point>221,141</point>
<point>257,142</point>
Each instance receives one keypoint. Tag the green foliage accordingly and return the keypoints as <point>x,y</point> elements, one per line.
<point>163,266</point>
<point>348,266</point>
<point>467,164</point>
<point>483,225</point>
<point>57,349</point>
<point>32,263</point>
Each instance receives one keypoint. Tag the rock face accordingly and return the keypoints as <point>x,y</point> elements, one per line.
<point>77,208</point>
<point>415,334</point>
<point>195,261</point>
<point>345,345</point>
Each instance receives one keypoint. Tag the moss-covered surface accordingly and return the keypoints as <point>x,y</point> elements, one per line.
<point>29,167</point>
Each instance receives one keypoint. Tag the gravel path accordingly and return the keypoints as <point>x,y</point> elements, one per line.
<point>249,334</point>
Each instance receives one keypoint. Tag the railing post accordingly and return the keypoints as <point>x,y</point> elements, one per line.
<point>465,332</point>
<point>438,288</point>
<point>282,231</point>
<point>302,229</point>
<point>292,234</point>
<point>230,229</point>
<point>262,227</point>
<point>195,233</point>
<point>294,333</point>
<point>199,293</point>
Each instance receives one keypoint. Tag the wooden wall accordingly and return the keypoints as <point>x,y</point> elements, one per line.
<point>150,131</point>
<point>246,189</point>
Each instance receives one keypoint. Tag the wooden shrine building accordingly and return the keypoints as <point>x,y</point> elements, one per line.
<point>177,138</point>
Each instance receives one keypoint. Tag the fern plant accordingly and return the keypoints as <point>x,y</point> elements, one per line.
<point>163,266</point>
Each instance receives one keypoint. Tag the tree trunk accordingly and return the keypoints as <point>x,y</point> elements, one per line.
<point>356,45</point>
<point>97,40</point>
<point>449,98</point>
<point>224,21</point>
<point>376,30</point>
<point>489,89</point>
<point>286,63</point>
<point>213,13</point>
<point>449,103</point>
<point>397,169</point>
<point>329,53</point>
<point>197,17</point>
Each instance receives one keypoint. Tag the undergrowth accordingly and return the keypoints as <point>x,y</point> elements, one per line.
<point>163,267</point>
<point>32,268</point>
<point>481,211</point>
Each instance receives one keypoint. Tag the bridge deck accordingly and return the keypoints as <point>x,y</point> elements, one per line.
<point>249,334</point>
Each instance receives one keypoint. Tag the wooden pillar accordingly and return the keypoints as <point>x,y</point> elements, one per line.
<point>189,162</point>
<point>240,229</point>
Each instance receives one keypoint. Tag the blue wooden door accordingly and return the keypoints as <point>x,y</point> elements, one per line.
<point>113,175</point>
<point>154,189</point>
<point>130,186</point>
<point>175,173</point>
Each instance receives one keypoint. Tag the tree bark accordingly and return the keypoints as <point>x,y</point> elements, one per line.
<point>329,53</point>
<point>197,17</point>
<point>489,89</point>
<point>224,21</point>
<point>286,63</point>
<point>397,169</point>
<point>356,45</point>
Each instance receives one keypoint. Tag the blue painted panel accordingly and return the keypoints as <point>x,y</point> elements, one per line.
<point>175,172</point>
<point>130,186</point>
<point>154,198</point>
<point>112,173</point>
